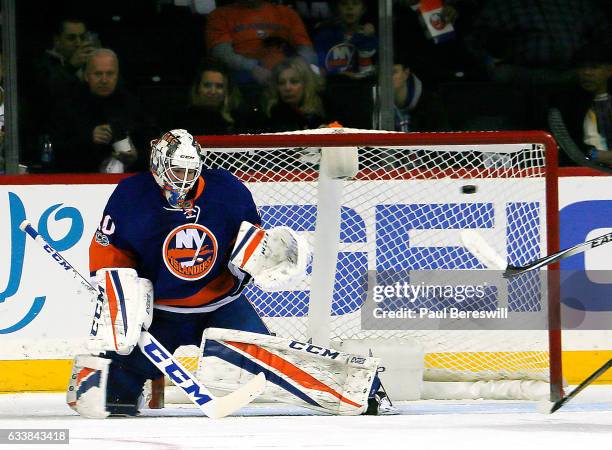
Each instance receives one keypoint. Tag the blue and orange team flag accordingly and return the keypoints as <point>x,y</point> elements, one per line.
<point>436,26</point>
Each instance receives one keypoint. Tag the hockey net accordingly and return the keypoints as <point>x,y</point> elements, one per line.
<point>401,210</point>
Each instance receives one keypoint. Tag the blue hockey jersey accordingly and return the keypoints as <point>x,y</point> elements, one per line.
<point>339,51</point>
<point>184,252</point>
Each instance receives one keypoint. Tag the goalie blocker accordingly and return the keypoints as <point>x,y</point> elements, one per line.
<point>127,307</point>
<point>297,373</point>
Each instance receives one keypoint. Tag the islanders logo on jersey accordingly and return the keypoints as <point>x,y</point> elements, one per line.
<point>340,58</point>
<point>190,251</point>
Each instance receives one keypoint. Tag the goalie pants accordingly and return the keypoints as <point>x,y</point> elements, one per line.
<point>127,374</point>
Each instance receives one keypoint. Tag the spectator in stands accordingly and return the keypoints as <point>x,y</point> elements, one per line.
<point>214,106</point>
<point>52,77</point>
<point>588,112</point>
<point>252,36</point>
<point>58,69</point>
<point>101,126</point>
<point>594,75</point>
<point>444,58</point>
<point>416,108</point>
<point>312,12</point>
<point>292,100</point>
<point>532,42</point>
<point>346,46</point>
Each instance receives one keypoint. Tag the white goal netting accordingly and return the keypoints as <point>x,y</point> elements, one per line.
<point>400,211</point>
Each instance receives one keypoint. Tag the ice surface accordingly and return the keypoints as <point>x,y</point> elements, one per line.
<point>585,422</point>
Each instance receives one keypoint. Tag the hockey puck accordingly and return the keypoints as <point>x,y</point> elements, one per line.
<point>468,189</point>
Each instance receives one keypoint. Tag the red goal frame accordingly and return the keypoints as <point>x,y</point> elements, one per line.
<point>346,138</point>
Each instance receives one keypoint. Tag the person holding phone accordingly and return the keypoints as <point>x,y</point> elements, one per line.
<point>53,77</point>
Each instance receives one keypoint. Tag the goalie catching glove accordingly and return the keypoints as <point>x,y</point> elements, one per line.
<point>275,258</point>
<point>124,308</point>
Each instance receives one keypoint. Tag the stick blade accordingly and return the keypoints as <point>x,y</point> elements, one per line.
<point>545,407</point>
<point>512,271</point>
<point>224,406</point>
<point>477,245</point>
<point>556,406</point>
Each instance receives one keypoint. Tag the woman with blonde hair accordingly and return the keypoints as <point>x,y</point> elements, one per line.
<point>213,103</point>
<point>292,100</point>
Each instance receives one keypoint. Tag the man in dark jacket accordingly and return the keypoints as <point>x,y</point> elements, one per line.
<point>89,126</point>
<point>57,69</point>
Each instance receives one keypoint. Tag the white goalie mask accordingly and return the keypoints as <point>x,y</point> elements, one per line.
<point>176,164</point>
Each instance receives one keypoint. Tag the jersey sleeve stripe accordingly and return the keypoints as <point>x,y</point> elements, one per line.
<point>101,256</point>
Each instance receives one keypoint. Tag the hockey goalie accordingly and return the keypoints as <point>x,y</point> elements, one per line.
<point>172,254</point>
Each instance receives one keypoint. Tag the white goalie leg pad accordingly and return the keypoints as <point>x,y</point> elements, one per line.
<point>274,258</point>
<point>86,392</point>
<point>127,308</point>
<point>297,373</point>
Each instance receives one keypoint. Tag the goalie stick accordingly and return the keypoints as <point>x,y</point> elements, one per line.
<point>548,408</point>
<point>213,407</point>
<point>485,253</point>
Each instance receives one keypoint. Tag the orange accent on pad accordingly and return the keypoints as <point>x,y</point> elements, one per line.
<point>83,373</point>
<point>334,124</point>
<point>252,246</point>
<point>285,367</point>
<point>112,304</point>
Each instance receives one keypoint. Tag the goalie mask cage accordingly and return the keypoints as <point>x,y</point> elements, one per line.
<point>372,201</point>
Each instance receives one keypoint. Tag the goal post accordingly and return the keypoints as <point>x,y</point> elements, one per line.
<point>376,204</point>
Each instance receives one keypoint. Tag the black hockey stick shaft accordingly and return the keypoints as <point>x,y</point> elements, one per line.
<point>594,376</point>
<point>550,259</point>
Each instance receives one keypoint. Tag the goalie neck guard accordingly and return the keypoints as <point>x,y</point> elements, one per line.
<point>176,165</point>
